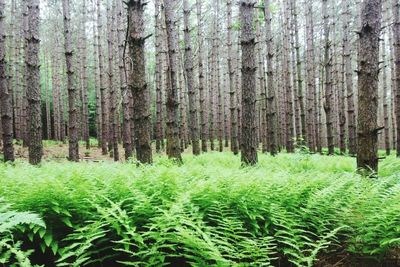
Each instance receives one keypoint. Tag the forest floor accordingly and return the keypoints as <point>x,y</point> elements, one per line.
<point>289,210</point>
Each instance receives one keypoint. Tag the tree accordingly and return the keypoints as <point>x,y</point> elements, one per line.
<point>328,78</point>
<point>194,128</point>
<point>231,80</point>
<point>202,95</point>
<point>137,83</point>
<point>5,93</point>
<point>249,139</point>
<point>158,75</point>
<point>172,104</point>
<point>396,45</point>
<point>368,64</point>
<point>33,83</point>
<point>126,129</point>
<point>71,85</point>
<point>103,88</point>
<point>271,101</point>
<point>111,85</point>
<point>310,69</point>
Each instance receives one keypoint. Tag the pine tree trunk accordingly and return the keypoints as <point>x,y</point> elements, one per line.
<point>271,100</point>
<point>71,85</point>
<point>396,44</point>
<point>158,75</point>
<point>33,83</point>
<point>232,89</point>
<point>368,62</point>
<point>290,133</point>
<point>202,93</point>
<point>194,128</point>
<point>311,87</point>
<point>5,93</point>
<point>85,82</point>
<point>137,83</point>
<point>103,88</point>
<point>249,142</point>
<point>351,125</point>
<point>126,129</point>
<point>111,85</point>
<point>328,107</point>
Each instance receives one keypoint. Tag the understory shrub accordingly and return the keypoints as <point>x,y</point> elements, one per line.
<point>208,212</point>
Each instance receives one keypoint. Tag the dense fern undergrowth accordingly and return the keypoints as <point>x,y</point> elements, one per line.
<point>291,210</point>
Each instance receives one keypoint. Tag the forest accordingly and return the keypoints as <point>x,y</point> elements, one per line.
<point>200,133</point>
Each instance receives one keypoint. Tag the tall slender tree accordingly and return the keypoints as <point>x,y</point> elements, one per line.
<point>103,87</point>
<point>33,83</point>
<point>249,139</point>
<point>137,83</point>
<point>271,101</point>
<point>194,128</point>
<point>328,78</point>
<point>202,94</point>
<point>396,45</point>
<point>5,93</point>
<point>368,64</point>
<point>71,85</point>
<point>113,124</point>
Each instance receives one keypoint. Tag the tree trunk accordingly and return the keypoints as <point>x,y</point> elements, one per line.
<point>310,77</point>
<point>271,101</point>
<point>85,83</point>
<point>328,78</point>
<point>368,62</point>
<point>113,123</point>
<point>5,93</point>
<point>126,129</point>
<point>202,94</point>
<point>349,83</point>
<point>158,75</point>
<point>232,89</point>
<point>103,88</point>
<point>249,142</point>
<point>71,85</point>
<point>33,83</point>
<point>194,128</point>
<point>396,44</point>
<point>137,83</point>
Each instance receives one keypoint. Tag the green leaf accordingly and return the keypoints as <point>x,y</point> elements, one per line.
<point>42,232</point>
<point>48,238</point>
<point>54,247</point>
<point>67,221</point>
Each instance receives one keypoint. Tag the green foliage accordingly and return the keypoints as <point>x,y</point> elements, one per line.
<point>208,212</point>
<point>10,251</point>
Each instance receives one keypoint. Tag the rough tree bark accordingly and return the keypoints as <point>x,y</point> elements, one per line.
<point>202,94</point>
<point>351,125</point>
<point>194,128</point>
<point>249,140</point>
<point>33,83</point>
<point>158,75</point>
<point>328,78</point>
<point>172,104</point>
<point>5,93</point>
<point>103,87</point>
<point>271,101</point>
<point>137,83</point>
<point>368,64</point>
<point>113,124</point>
<point>396,45</point>
<point>232,89</point>
<point>310,68</point>
<point>126,129</point>
<point>71,85</point>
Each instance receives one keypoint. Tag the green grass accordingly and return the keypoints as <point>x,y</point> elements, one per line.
<point>208,212</point>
